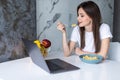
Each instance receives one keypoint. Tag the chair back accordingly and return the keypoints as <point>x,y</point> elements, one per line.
<point>114,51</point>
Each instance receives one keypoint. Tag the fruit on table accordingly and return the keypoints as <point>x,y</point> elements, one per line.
<point>46,43</point>
<point>43,46</point>
<point>43,51</point>
<point>37,42</point>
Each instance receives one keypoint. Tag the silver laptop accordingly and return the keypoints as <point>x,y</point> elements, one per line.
<point>51,65</point>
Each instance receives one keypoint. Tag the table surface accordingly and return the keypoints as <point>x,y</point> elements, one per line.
<point>25,69</point>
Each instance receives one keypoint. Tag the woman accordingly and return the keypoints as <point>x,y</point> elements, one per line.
<point>91,35</point>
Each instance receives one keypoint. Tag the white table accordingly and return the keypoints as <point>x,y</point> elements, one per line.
<point>25,69</point>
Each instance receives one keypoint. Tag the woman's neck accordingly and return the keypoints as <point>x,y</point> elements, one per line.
<point>88,28</point>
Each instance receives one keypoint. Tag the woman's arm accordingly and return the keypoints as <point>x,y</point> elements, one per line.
<point>104,47</point>
<point>67,48</point>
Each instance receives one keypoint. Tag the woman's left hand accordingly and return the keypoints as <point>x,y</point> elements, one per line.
<point>78,51</point>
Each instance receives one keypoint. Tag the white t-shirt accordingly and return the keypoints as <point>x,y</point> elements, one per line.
<point>89,39</point>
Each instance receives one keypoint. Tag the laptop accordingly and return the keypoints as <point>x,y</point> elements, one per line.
<point>52,65</point>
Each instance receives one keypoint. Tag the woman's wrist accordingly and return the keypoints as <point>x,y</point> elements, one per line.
<point>64,33</point>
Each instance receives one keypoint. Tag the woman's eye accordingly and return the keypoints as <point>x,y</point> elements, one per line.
<point>82,16</point>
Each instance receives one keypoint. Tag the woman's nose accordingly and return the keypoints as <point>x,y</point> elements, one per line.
<point>78,18</point>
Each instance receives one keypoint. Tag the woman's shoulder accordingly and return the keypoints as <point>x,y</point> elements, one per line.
<point>76,28</point>
<point>105,31</point>
<point>104,26</point>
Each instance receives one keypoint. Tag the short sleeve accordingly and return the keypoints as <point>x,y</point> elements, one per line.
<point>74,34</point>
<point>105,31</point>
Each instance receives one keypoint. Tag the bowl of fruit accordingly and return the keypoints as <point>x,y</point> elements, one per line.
<point>43,45</point>
<point>91,58</point>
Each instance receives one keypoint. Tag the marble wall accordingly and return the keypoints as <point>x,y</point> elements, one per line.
<point>17,20</point>
<point>49,12</point>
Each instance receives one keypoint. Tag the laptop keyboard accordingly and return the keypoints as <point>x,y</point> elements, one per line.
<point>52,66</point>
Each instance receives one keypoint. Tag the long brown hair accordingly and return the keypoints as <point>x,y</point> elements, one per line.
<point>92,10</point>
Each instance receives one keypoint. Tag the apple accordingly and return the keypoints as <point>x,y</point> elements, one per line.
<point>46,43</point>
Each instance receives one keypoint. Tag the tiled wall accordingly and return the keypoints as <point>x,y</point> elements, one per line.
<point>49,12</point>
<point>17,20</point>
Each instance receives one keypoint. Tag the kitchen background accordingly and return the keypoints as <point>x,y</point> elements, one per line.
<point>33,19</point>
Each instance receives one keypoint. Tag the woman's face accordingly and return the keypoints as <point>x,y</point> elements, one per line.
<point>83,19</point>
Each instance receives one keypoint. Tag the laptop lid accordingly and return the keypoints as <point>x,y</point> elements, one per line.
<point>51,65</point>
<point>35,55</point>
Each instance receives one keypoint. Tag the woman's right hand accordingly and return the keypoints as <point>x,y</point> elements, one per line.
<point>61,27</point>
